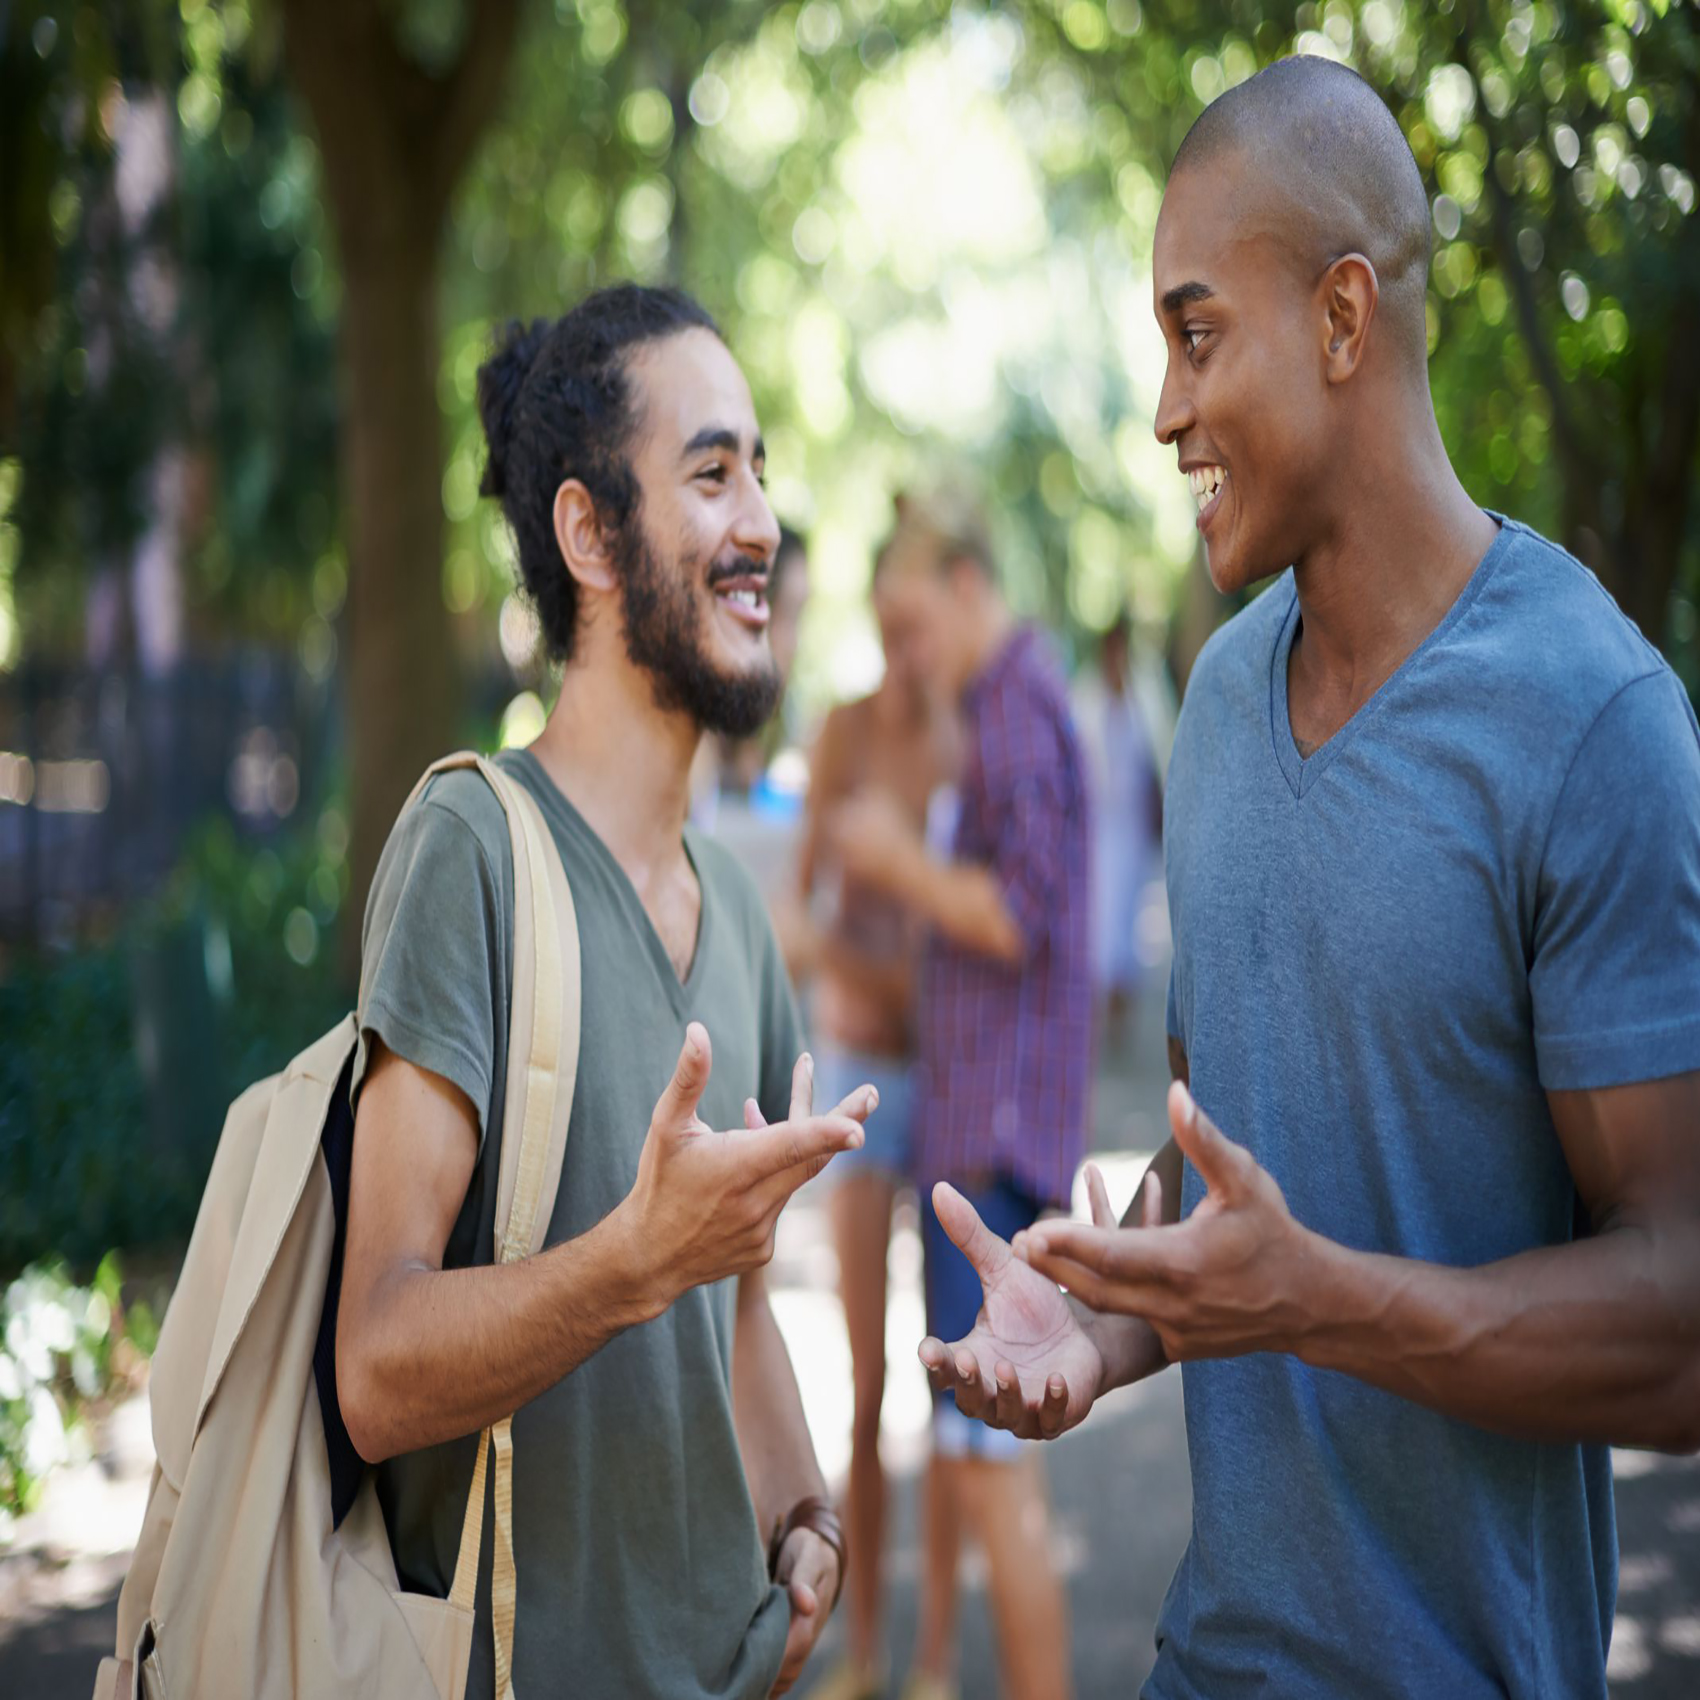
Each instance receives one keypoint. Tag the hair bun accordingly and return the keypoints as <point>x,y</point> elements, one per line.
<point>500,380</point>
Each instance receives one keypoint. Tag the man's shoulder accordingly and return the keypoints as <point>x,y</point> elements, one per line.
<point>456,823</point>
<point>1548,638</point>
<point>461,801</point>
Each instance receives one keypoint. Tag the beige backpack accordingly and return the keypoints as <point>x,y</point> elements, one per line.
<point>240,1584</point>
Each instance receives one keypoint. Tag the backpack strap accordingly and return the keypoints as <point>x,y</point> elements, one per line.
<point>543,1042</point>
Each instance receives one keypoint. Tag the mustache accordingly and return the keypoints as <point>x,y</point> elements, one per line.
<point>737,565</point>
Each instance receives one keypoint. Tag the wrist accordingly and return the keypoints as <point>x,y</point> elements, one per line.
<point>1127,1346</point>
<point>815,1514</point>
<point>1315,1292</point>
<point>641,1289</point>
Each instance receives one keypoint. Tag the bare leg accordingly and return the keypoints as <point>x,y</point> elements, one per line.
<point>861,1220</point>
<point>1005,1504</point>
<point>941,1547</point>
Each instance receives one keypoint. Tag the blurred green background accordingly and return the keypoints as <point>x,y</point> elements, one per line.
<point>250,258</point>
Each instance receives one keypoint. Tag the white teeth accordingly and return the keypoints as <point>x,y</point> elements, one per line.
<point>750,599</point>
<point>1205,481</point>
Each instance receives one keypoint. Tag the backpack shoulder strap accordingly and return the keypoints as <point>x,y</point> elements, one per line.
<point>543,1016</point>
<point>543,1042</point>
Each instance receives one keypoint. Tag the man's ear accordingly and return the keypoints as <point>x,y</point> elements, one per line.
<point>582,538</point>
<point>1349,293</point>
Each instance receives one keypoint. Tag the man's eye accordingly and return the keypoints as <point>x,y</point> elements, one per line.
<point>1192,336</point>
<point>717,473</point>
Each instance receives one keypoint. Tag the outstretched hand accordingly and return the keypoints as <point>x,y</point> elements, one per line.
<point>1029,1364</point>
<point>1228,1280</point>
<point>705,1204</point>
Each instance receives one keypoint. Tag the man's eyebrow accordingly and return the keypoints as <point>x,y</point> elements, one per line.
<point>721,437</point>
<point>1184,294</point>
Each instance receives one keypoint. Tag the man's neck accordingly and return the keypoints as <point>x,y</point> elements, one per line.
<point>1398,553</point>
<point>623,762</point>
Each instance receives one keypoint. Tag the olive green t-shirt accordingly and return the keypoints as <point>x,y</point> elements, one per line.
<point>641,1569</point>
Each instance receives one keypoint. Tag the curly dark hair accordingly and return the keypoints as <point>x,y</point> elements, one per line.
<point>556,404</point>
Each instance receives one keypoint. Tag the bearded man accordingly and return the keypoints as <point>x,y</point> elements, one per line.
<point>672,1537</point>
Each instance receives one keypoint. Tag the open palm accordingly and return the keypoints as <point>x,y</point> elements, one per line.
<point>1027,1364</point>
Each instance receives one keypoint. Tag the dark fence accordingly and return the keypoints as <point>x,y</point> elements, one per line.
<point>104,773</point>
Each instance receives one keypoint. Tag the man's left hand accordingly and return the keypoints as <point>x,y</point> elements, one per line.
<point>1234,1277</point>
<point>808,1571</point>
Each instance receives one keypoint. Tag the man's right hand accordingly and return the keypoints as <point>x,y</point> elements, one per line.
<point>1035,1360</point>
<point>705,1204</point>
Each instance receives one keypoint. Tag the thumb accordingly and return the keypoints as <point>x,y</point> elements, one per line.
<point>973,1238</point>
<point>1202,1143</point>
<point>677,1105</point>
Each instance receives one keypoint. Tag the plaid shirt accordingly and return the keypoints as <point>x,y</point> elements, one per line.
<point>1006,1048</point>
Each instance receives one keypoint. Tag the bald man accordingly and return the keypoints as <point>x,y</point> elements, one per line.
<point>1433,849</point>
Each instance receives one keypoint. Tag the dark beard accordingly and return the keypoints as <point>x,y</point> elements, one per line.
<point>664,636</point>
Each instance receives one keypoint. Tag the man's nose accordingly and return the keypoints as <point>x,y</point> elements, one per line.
<point>756,531</point>
<point>1174,408</point>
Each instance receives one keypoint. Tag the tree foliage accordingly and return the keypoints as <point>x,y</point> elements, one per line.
<point>926,230</point>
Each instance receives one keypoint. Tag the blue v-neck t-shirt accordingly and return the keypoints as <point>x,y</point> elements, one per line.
<point>1484,887</point>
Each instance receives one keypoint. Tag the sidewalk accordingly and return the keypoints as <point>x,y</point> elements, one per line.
<point>1119,1485</point>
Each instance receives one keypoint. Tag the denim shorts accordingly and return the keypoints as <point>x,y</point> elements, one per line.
<point>886,1146</point>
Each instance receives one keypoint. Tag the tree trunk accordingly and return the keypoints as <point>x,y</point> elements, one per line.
<point>401,683</point>
<point>393,141</point>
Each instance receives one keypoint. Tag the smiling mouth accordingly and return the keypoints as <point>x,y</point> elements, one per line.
<point>1207,484</point>
<point>745,599</point>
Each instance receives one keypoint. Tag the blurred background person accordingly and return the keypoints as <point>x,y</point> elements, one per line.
<point>1124,723</point>
<point>1005,1037</point>
<point>860,965</point>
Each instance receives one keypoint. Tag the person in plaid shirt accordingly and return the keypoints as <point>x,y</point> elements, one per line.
<point>1005,1014</point>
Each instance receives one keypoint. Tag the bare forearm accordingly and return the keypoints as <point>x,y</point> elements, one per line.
<point>444,1352</point>
<point>1594,1341</point>
<point>963,901</point>
<point>773,1435</point>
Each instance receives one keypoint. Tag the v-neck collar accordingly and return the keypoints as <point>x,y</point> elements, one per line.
<point>1302,772</point>
<point>681,992</point>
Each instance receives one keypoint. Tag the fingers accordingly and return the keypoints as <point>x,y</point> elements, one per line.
<point>859,1105</point>
<point>1093,1290</point>
<point>1011,1409</point>
<point>954,1369</point>
<point>802,1088</point>
<point>1217,1158</point>
<point>984,1249</point>
<point>679,1098</point>
<point>1151,1200</point>
<point>780,1158</point>
<point>1053,1411</point>
<point>1099,1196</point>
<point>1040,1414</point>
